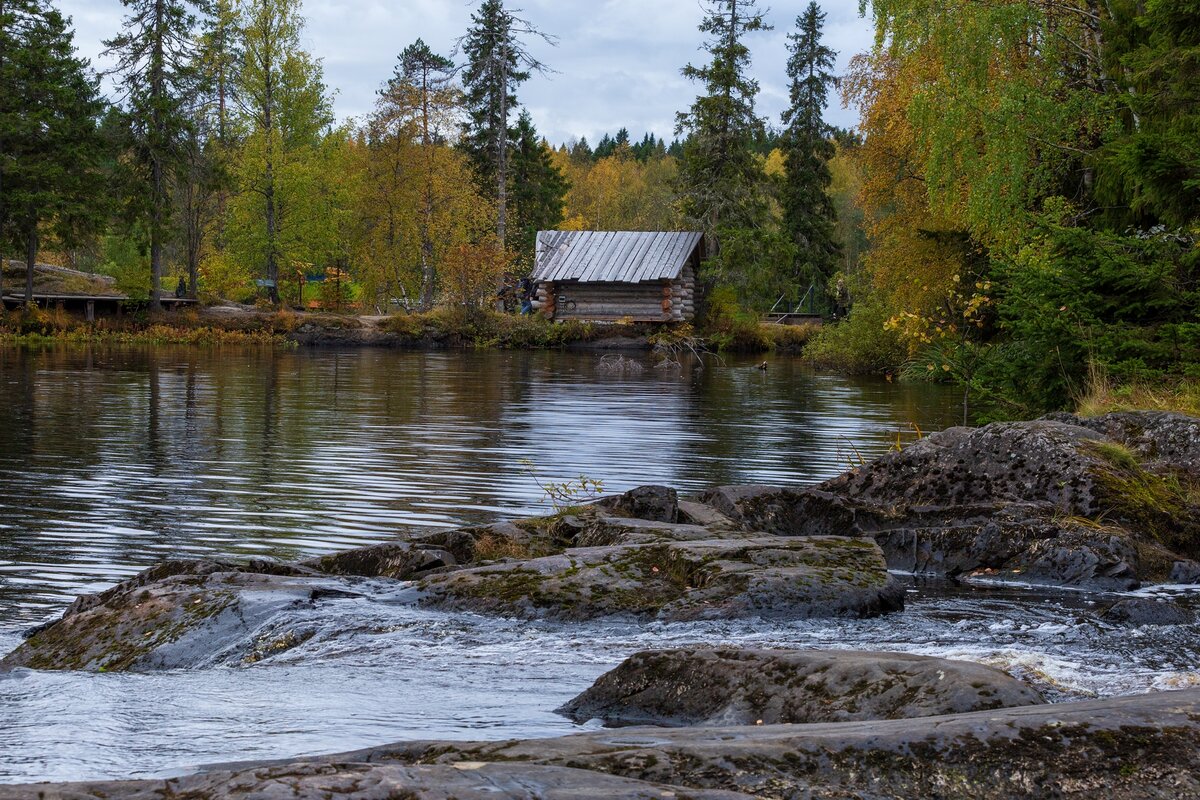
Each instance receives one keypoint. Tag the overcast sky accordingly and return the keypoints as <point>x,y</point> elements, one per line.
<point>617,62</point>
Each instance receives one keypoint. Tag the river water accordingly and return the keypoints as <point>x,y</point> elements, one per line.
<point>111,460</point>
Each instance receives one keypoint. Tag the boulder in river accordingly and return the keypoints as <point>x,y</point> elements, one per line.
<point>778,577</point>
<point>732,686</point>
<point>1104,503</point>
<point>1147,611</point>
<point>579,566</point>
<point>179,614</point>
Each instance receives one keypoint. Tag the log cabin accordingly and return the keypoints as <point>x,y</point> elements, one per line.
<point>610,276</point>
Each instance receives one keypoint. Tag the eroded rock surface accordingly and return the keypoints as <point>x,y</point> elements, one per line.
<point>706,579</point>
<point>310,781</point>
<point>731,686</point>
<point>582,565</point>
<point>1132,748</point>
<point>179,614</point>
<point>1104,503</point>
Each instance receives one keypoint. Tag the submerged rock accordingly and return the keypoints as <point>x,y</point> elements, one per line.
<point>179,614</point>
<point>1105,503</point>
<point>731,686</point>
<point>776,577</point>
<point>1144,611</point>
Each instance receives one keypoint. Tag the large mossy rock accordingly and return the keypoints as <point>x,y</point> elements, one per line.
<point>582,565</point>
<point>779,577</point>
<point>732,686</point>
<point>1105,503</point>
<point>178,614</point>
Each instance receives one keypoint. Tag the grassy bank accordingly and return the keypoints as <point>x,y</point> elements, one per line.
<point>1102,397</point>
<point>440,328</point>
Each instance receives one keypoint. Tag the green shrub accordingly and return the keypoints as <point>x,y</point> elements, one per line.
<point>861,343</point>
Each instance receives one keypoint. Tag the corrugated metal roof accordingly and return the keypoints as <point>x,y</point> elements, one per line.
<point>612,256</point>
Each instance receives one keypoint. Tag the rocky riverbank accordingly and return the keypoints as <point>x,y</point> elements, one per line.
<point>1101,504</point>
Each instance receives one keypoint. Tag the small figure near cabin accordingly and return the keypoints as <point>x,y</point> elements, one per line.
<point>528,290</point>
<point>841,300</point>
<point>181,288</point>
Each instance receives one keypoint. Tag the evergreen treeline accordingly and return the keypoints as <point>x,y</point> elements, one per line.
<point>1019,212</point>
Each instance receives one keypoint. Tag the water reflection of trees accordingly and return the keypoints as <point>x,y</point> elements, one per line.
<point>113,459</point>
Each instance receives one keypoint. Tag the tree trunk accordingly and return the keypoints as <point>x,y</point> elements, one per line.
<point>502,151</point>
<point>31,255</point>
<point>3,208</point>
<point>272,263</point>
<point>156,224</point>
<point>428,274</point>
<point>157,145</point>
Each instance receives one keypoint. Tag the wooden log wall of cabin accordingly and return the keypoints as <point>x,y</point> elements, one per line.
<point>614,301</point>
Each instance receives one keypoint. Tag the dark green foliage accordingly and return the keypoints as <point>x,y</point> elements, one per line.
<point>1129,305</point>
<point>1152,170</point>
<point>497,63</point>
<point>538,188</point>
<point>48,130</point>
<point>807,144</point>
<point>721,181</point>
<point>722,184</point>
<point>160,73</point>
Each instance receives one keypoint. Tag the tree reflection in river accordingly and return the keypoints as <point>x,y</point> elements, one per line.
<point>112,459</point>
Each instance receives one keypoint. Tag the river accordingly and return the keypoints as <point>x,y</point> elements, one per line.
<point>113,459</point>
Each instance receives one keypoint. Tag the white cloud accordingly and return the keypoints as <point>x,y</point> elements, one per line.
<point>616,65</point>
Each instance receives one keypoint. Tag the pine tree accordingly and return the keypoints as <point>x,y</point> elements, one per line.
<point>422,94</point>
<point>720,179</point>
<point>15,18</point>
<point>539,189</point>
<point>497,63</point>
<point>52,183</point>
<point>807,143</point>
<point>157,60</point>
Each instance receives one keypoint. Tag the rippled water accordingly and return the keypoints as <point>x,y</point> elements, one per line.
<point>110,461</point>
<point>113,460</point>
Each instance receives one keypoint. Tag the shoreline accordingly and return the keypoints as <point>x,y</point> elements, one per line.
<point>440,329</point>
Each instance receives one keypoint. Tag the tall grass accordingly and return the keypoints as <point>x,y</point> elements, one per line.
<point>1101,396</point>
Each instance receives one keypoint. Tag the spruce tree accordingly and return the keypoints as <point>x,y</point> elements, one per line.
<point>52,105</point>
<point>498,62</point>
<point>807,143</point>
<point>720,178</point>
<point>157,60</point>
<point>539,189</point>
<point>15,19</point>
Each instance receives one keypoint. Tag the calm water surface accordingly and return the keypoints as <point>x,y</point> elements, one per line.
<point>113,460</point>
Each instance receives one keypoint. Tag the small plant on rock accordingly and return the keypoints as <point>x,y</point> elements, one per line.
<point>568,493</point>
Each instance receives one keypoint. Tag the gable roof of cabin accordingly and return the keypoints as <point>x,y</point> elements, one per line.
<point>613,256</point>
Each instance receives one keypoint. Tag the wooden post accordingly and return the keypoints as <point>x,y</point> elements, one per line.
<point>91,310</point>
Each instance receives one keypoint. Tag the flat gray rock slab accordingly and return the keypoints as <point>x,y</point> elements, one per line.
<point>311,781</point>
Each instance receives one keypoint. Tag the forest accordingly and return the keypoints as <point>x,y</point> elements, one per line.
<point>1018,212</point>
